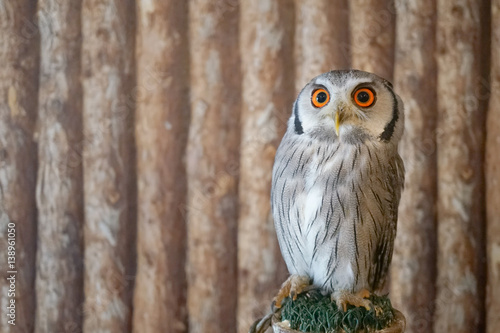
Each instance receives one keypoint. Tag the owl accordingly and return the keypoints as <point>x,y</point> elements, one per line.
<point>337,181</point>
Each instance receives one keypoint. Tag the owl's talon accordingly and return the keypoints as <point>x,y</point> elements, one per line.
<point>342,298</point>
<point>363,293</point>
<point>292,287</point>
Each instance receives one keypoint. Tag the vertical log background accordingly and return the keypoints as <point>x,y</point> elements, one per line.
<point>150,208</point>
<point>161,134</point>
<point>372,24</point>
<point>212,153</point>
<point>493,179</point>
<point>460,138</point>
<point>321,38</point>
<point>19,56</point>
<point>109,95</point>
<point>60,178</point>
<point>267,68</point>
<point>413,263</point>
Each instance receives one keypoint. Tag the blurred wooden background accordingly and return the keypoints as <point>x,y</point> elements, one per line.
<point>137,141</point>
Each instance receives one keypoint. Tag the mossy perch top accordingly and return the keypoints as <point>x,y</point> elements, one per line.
<point>314,312</point>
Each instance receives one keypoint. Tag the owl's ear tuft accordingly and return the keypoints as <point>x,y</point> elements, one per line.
<point>298,124</point>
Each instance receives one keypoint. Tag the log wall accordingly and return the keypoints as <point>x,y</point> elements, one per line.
<point>266,48</point>
<point>413,267</point>
<point>137,140</point>
<point>161,129</point>
<point>108,75</point>
<point>460,138</point>
<point>321,38</point>
<point>212,160</point>
<point>19,56</point>
<point>492,178</point>
<point>60,173</point>
<point>372,27</point>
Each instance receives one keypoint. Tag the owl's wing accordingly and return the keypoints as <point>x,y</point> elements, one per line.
<point>287,187</point>
<point>385,243</point>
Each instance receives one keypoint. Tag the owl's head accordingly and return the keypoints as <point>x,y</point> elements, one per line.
<point>351,105</point>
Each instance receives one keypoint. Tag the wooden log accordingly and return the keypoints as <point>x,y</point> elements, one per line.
<point>161,133</point>
<point>372,24</point>
<point>268,93</point>
<point>321,38</point>
<point>413,268</point>
<point>493,179</point>
<point>109,181</point>
<point>212,160</point>
<point>460,137</point>
<point>59,283</point>
<point>18,106</point>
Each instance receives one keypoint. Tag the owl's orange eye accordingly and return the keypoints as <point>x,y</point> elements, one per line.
<point>364,97</point>
<point>320,98</point>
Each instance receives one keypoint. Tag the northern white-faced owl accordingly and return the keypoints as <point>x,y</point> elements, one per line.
<point>337,180</point>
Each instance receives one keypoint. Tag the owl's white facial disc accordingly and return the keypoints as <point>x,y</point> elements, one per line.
<point>362,104</point>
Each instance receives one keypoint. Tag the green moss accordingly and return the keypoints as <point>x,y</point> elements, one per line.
<point>313,312</point>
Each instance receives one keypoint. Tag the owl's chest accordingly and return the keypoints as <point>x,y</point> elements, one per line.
<point>337,168</point>
<point>334,194</point>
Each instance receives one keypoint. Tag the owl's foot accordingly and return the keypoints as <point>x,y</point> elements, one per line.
<point>293,286</point>
<point>343,298</point>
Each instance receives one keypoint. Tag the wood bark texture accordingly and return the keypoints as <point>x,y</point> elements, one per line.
<point>108,117</point>
<point>162,119</point>
<point>460,136</point>
<point>493,178</point>
<point>19,52</point>
<point>372,27</point>
<point>321,38</point>
<point>212,160</point>
<point>413,264</point>
<point>267,50</point>
<point>60,181</point>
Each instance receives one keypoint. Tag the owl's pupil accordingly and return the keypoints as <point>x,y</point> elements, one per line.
<point>321,97</point>
<point>363,97</point>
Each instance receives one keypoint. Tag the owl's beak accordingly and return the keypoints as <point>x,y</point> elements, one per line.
<point>337,122</point>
